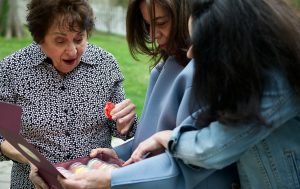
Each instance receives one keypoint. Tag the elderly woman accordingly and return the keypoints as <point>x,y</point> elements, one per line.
<point>63,84</point>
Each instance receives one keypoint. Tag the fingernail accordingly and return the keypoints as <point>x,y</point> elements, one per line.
<point>146,155</point>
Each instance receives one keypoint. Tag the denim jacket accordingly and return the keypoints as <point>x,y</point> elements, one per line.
<point>268,156</point>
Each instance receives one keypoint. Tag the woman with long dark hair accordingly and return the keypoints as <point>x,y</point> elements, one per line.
<point>247,83</point>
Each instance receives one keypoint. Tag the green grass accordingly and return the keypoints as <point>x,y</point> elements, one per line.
<point>136,73</point>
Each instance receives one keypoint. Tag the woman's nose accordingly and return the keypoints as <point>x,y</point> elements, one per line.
<point>71,49</point>
<point>154,34</point>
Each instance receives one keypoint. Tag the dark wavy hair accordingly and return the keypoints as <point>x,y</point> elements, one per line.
<point>138,32</point>
<point>74,14</point>
<point>235,43</point>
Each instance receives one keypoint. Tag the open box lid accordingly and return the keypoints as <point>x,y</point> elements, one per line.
<point>10,124</point>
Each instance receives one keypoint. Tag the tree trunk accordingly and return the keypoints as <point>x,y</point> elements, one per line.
<point>3,8</point>
<point>10,23</point>
<point>14,27</point>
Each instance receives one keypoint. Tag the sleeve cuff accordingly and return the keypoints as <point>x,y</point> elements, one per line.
<point>132,129</point>
<point>1,141</point>
<point>177,132</point>
<point>2,156</point>
<point>130,133</point>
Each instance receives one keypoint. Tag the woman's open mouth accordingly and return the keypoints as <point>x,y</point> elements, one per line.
<point>70,61</point>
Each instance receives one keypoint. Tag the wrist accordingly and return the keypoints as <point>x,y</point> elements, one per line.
<point>163,137</point>
<point>1,141</point>
<point>108,179</point>
<point>2,156</point>
<point>105,182</point>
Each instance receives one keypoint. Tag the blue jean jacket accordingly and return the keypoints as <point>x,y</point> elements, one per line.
<point>268,156</point>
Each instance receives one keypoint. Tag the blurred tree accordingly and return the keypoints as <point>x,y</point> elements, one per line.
<point>10,23</point>
<point>110,13</point>
<point>113,3</point>
<point>122,3</point>
<point>1,5</point>
<point>3,14</point>
<point>296,3</point>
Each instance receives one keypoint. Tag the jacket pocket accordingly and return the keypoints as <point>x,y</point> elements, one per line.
<point>294,170</point>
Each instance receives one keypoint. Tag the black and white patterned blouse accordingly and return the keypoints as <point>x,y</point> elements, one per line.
<point>62,115</point>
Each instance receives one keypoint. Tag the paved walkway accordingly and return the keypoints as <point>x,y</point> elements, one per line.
<point>5,168</point>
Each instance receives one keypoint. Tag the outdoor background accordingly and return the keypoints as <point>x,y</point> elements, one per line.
<point>110,35</point>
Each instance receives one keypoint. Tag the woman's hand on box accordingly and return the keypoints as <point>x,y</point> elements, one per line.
<point>107,151</point>
<point>37,181</point>
<point>124,114</point>
<point>154,145</point>
<point>12,153</point>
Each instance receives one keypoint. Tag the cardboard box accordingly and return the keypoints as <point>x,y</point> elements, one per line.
<point>10,123</point>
